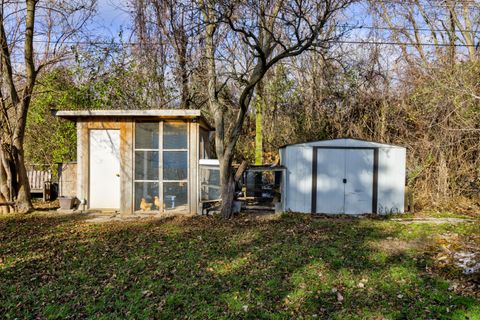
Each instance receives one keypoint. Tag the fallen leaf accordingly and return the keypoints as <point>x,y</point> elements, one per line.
<point>339,297</point>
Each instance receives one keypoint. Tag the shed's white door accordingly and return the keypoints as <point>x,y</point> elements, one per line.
<point>359,181</point>
<point>104,169</point>
<point>330,186</point>
<point>344,181</point>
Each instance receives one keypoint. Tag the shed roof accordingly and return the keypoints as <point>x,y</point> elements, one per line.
<point>74,115</point>
<point>343,142</point>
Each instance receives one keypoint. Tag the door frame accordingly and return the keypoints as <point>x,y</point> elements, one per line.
<point>89,172</point>
<point>375,174</point>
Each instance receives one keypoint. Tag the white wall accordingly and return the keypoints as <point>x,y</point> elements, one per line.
<point>298,161</point>
<point>391,180</point>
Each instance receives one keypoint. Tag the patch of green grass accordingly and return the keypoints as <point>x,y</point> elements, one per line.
<point>291,267</point>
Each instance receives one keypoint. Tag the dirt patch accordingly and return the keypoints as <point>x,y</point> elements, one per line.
<point>397,246</point>
<point>434,220</point>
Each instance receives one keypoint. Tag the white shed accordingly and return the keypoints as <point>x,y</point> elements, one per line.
<point>344,176</point>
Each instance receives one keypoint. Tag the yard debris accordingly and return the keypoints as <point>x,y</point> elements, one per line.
<point>147,293</point>
<point>454,251</point>
<point>467,261</point>
<point>339,297</point>
<point>455,255</point>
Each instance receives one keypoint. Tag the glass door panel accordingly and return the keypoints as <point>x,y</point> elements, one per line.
<point>146,165</point>
<point>175,195</point>
<point>175,165</point>
<point>161,166</point>
<point>146,135</point>
<point>146,196</point>
<point>175,135</point>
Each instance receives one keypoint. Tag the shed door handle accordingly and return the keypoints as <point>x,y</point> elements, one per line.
<point>344,180</point>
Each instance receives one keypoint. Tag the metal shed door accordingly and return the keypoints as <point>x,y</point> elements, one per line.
<point>330,186</point>
<point>104,186</point>
<point>359,181</point>
<point>344,180</point>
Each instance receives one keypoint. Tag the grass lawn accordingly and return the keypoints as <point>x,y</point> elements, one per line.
<point>290,266</point>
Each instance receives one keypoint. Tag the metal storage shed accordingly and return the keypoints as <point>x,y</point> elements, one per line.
<point>344,176</point>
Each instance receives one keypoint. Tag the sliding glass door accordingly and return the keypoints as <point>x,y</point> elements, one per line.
<point>161,166</point>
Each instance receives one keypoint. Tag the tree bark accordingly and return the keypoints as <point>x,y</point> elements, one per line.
<point>24,199</point>
<point>5,180</point>
<point>227,184</point>
<point>260,105</point>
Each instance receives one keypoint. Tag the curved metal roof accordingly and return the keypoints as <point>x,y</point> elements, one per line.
<point>343,142</point>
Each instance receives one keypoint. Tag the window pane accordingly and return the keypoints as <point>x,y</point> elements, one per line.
<point>175,165</point>
<point>209,183</point>
<point>175,196</point>
<point>146,135</point>
<point>210,193</point>
<point>175,135</point>
<point>146,196</point>
<point>146,165</point>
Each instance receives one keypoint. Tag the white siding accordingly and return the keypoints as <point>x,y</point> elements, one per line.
<point>299,179</point>
<point>391,180</point>
<point>283,185</point>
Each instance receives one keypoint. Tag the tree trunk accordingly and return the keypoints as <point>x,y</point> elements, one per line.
<point>227,184</point>
<point>182,71</point>
<point>259,124</point>
<point>14,184</point>
<point>5,183</point>
<point>24,199</point>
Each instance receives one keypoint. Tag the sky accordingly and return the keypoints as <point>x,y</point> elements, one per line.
<point>112,16</point>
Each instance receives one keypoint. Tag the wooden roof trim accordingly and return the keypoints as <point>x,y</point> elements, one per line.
<point>128,113</point>
<point>76,115</point>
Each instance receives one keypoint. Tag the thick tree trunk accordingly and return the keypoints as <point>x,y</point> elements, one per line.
<point>227,184</point>
<point>24,199</point>
<point>182,77</point>
<point>5,184</point>
<point>14,184</point>
<point>260,105</point>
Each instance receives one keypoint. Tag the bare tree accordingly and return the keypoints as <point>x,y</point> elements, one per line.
<point>434,29</point>
<point>166,30</point>
<point>19,31</point>
<point>266,32</point>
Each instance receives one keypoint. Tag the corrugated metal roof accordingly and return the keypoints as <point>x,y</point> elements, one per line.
<point>343,142</point>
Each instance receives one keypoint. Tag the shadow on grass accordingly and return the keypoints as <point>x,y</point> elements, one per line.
<point>295,266</point>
